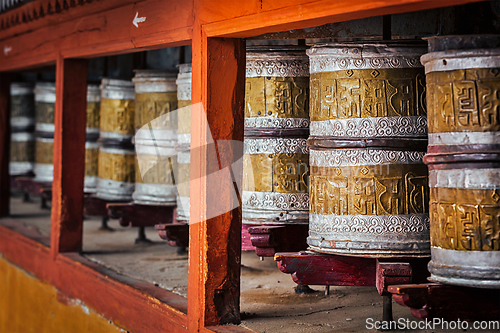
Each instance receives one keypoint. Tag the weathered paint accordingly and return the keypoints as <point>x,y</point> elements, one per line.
<point>30,305</point>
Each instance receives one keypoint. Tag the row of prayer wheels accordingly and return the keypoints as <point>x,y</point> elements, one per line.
<point>360,180</point>
<point>32,140</point>
<point>335,137</point>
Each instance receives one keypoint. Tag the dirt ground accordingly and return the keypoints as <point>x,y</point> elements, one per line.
<point>268,301</point>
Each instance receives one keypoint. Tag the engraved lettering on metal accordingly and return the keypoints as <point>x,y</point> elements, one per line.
<point>45,98</point>
<point>488,178</point>
<point>91,158</point>
<point>154,194</point>
<point>93,108</point>
<point>464,100</point>
<point>367,93</point>
<point>286,173</point>
<point>114,190</point>
<point>354,157</point>
<point>369,190</point>
<point>22,147</point>
<point>277,97</point>
<point>275,145</point>
<point>465,219</point>
<point>44,150</point>
<point>413,126</point>
<point>116,173</point>
<point>461,59</point>
<point>117,109</point>
<point>337,57</point>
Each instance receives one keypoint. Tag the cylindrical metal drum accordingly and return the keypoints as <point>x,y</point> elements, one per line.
<point>92,134</point>
<point>464,159</point>
<point>115,172</point>
<point>368,188</point>
<point>22,153</point>
<point>276,156</point>
<point>155,101</point>
<point>184,141</point>
<point>22,109</point>
<point>45,99</point>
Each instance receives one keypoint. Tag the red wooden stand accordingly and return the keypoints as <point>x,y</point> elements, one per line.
<point>310,268</point>
<point>94,206</point>
<point>246,238</point>
<point>176,234</point>
<point>268,240</point>
<point>32,187</point>
<point>436,300</point>
<point>135,215</point>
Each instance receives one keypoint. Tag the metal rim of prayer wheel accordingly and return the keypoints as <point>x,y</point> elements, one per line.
<point>464,159</point>
<point>155,100</point>
<point>22,107</point>
<point>116,95</point>
<point>276,129</point>
<point>368,185</point>
<point>184,141</point>
<point>22,154</point>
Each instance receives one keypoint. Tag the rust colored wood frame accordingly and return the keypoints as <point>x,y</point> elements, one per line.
<point>214,27</point>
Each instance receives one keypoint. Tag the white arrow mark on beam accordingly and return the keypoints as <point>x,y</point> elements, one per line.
<point>7,49</point>
<point>138,20</point>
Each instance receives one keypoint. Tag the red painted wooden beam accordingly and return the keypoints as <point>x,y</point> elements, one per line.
<point>69,155</point>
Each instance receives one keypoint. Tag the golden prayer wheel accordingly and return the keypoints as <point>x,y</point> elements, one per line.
<point>45,99</point>
<point>155,102</point>
<point>22,107</point>
<point>92,134</point>
<point>464,159</point>
<point>22,149</point>
<point>368,184</point>
<point>115,172</point>
<point>276,156</point>
<point>184,141</point>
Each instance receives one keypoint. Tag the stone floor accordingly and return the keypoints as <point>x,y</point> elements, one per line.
<point>268,300</point>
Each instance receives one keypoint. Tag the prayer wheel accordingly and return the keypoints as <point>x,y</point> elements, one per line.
<point>155,103</point>
<point>184,141</point>
<point>464,159</point>
<point>92,135</point>
<point>276,156</point>
<point>22,149</point>
<point>368,184</point>
<point>45,99</point>
<point>115,172</point>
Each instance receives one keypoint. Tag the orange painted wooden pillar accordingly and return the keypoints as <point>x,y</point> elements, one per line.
<point>215,244</point>
<point>69,155</point>
<point>4,144</point>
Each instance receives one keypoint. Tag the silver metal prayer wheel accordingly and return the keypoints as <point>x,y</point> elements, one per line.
<point>155,103</point>
<point>92,134</point>
<point>184,141</point>
<point>45,99</point>
<point>116,159</point>
<point>22,109</point>
<point>368,184</point>
<point>464,159</point>
<point>276,156</point>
